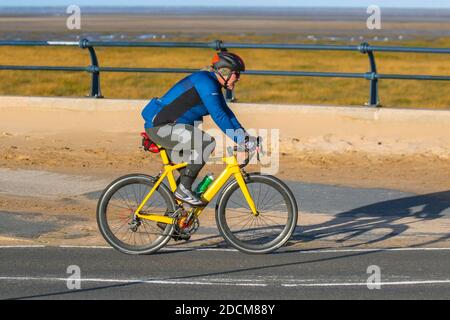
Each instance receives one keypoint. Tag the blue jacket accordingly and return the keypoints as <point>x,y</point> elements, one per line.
<point>193,97</point>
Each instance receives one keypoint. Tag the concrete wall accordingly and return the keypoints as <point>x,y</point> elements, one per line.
<point>302,127</point>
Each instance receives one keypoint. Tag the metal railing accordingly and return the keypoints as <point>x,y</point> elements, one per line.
<point>94,69</point>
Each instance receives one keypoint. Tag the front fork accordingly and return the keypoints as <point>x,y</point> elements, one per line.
<point>240,178</point>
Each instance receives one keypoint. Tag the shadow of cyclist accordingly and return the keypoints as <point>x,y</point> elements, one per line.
<point>383,216</point>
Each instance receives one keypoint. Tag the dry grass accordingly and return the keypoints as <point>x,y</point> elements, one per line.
<point>299,90</point>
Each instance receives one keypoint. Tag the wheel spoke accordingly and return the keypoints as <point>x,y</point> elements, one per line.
<point>125,200</point>
<point>117,206</point>
<point>259,195</point>
<point>273,205</point>
<point>146,232</point>
<point>277,223</point>
<point>241,215</point>
<point>240,205</point>
<point>269,200</point>
<point>119,212</point>
<point>265,230</point>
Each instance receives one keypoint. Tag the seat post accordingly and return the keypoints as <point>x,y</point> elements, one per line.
<point>164,156</point>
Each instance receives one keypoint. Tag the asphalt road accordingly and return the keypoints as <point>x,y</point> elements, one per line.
<point>42,273</point>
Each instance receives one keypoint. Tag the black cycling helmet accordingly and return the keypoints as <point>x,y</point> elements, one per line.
<point>228,60</point>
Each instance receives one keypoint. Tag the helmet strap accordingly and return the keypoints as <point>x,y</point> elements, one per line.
<point>225,84</point>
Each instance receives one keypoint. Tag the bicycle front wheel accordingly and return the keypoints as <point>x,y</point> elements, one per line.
<point>267,231</point>
<point>118,224</point>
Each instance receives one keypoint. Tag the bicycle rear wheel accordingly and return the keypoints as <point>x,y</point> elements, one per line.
<point>118,224</point>
<point>269,230</point>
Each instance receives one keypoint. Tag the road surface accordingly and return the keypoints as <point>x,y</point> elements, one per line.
<point>42,273</point>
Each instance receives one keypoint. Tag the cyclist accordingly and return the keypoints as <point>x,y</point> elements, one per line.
<point>170,120</point>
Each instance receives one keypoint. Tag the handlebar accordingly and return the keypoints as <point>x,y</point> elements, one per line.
<point>248,154</point>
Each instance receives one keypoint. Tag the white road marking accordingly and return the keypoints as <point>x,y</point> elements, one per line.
<point>84,247</point>
<point>200,282</point>
<point>199,249</point>
<point>299,251</point>
<point>352,284</point>
<point>22,246</point>
<point>372,250</point>
<point>228,282</point>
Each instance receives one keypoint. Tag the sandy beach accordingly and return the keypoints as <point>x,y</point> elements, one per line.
<point>316,144</point>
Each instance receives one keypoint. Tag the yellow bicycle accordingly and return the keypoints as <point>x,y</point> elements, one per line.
<point>255,213</point>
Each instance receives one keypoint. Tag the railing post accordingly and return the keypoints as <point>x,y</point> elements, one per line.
<point>372,75</point>
<point>93,69</point>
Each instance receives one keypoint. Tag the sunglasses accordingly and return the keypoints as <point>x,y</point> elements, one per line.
<point>227,73</point>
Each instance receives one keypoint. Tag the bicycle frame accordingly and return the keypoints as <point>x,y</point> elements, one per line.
<point>232,169</point>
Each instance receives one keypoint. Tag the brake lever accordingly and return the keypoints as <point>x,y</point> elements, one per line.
<point>259,148</point>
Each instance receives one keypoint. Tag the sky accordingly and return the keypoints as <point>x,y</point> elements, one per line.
<point>262,3</point>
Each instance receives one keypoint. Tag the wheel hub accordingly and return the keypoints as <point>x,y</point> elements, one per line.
<point>134,225</point>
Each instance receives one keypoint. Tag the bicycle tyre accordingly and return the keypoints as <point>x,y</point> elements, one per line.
<point>224,207</point>
<point>115,188</point>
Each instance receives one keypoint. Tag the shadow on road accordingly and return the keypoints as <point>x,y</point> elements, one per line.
<point>370,224</point>
<point>379,221</point>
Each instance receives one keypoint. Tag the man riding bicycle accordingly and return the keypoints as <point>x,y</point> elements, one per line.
<point>170,120</point>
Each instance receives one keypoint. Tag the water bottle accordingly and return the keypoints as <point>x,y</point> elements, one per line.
<point>204,184</point>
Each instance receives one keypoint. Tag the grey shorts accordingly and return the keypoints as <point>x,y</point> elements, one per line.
<point>184,143</point>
